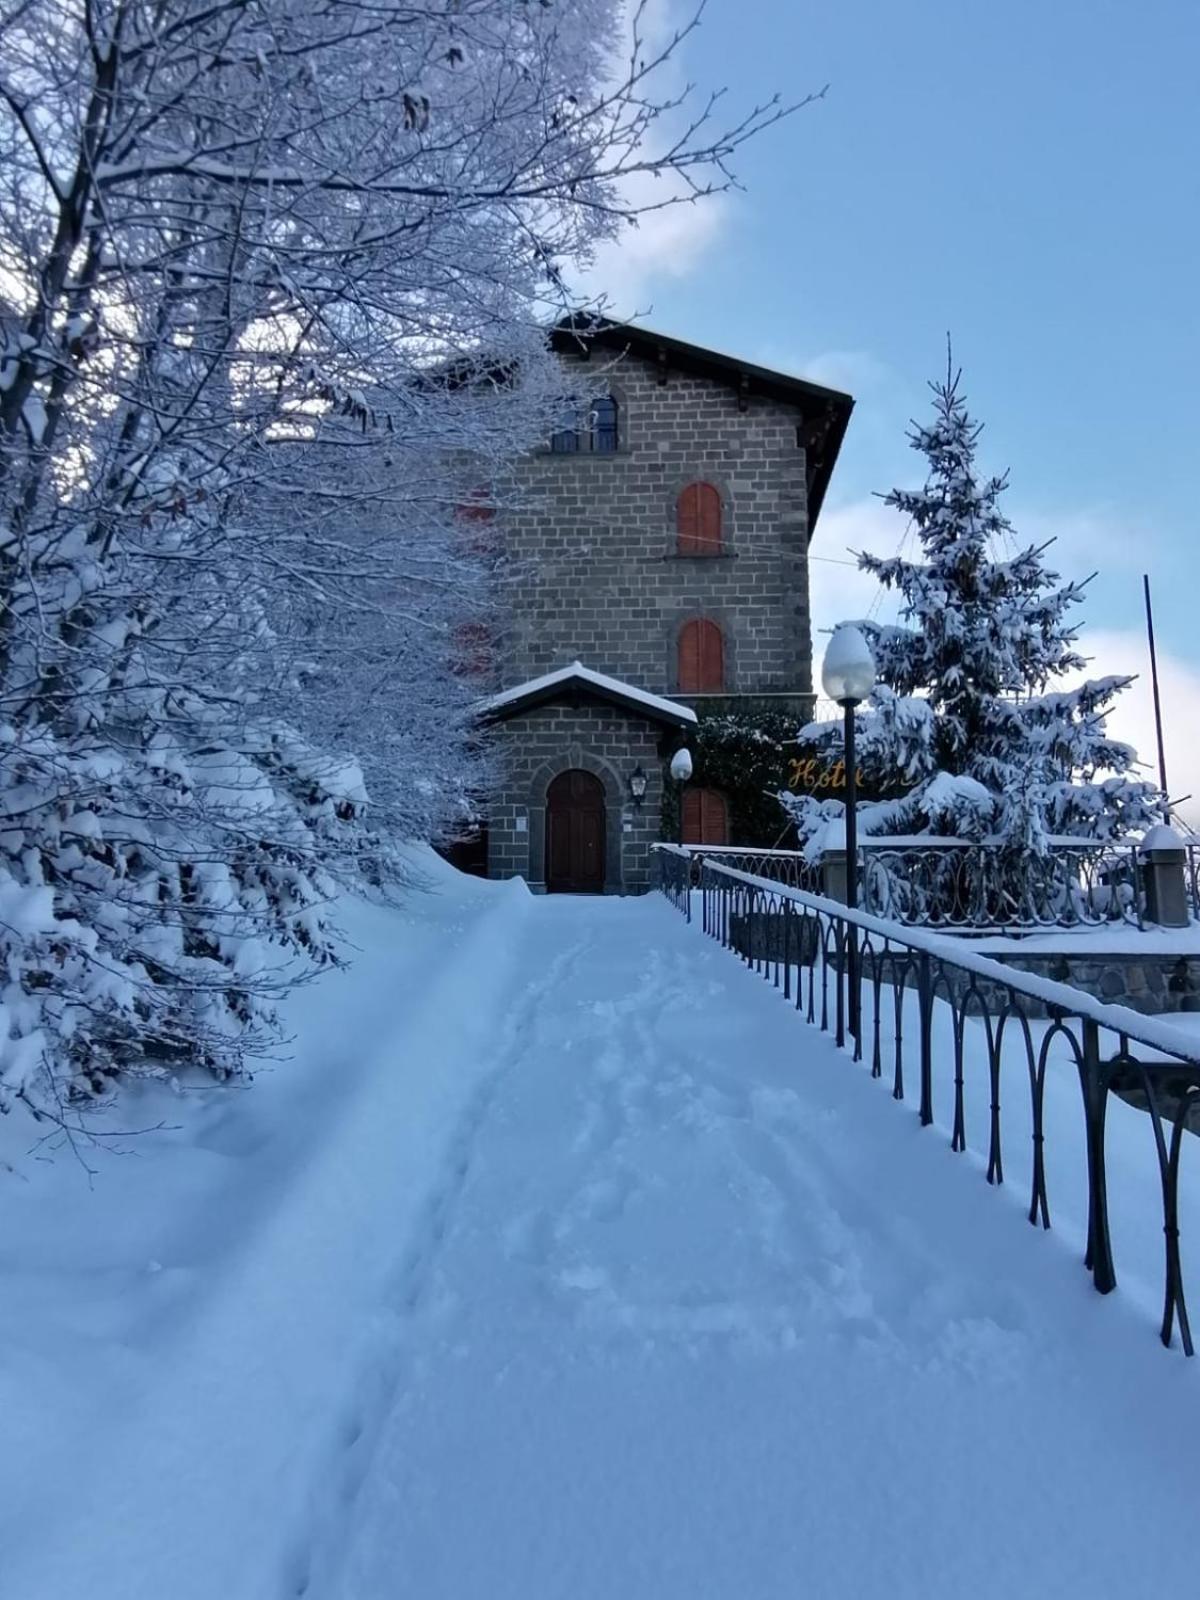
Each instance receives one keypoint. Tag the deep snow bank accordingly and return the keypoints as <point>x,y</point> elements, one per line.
<point>179,1343</point>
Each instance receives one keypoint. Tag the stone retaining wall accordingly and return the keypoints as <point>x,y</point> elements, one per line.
<point>1143,982</point>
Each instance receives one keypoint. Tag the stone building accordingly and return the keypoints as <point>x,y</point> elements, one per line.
<point>662,548</point>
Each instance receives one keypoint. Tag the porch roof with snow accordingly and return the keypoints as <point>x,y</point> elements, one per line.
<point>577,682</point>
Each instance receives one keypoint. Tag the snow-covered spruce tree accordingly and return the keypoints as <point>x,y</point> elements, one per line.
<point>275,275</point>
<point>966,730</point>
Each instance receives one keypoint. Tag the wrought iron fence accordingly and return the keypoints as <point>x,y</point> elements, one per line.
<point>680,864</point>
<point>876,984</point>
<point>961,886</point>
<point>955,884</point>
<point>676,870</point>
<point>780,866</point>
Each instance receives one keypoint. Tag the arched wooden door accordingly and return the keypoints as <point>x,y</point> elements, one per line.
<point>575,828</point>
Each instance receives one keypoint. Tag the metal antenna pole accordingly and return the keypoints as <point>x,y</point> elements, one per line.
<point>1158,727</point>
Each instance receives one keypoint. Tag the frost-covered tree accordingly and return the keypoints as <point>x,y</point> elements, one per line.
<point>967,730</point>
<point>274,278</point>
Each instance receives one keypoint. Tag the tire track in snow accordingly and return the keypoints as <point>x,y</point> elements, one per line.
<point>421,1261</point>
<point>409,1296</point>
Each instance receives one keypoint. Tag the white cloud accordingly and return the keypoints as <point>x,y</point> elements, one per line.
<point>840,593</point>
<point>1132,719</point>
<point>1087,540</point>
<point>856,372</point>
<point>663,245</point>
<point>668,242</point>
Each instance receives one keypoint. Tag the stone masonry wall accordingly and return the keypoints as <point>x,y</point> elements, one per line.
<point>595,546</point>
<point>603,740</point>
<point>1150,983</point>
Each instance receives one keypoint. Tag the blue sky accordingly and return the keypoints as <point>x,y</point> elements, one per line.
<point>1023,175</point>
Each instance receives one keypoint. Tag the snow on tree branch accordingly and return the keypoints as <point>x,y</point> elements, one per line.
<point>966,727</point>
<point>274,287</point>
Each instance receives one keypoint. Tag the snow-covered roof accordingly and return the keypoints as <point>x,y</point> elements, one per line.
<point>578,677</point>
<point>824,412</point>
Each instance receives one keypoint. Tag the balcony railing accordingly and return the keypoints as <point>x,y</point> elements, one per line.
<point>918,1006</point>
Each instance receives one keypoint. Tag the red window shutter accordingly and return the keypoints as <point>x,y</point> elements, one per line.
<point>701,657</point>
<point>472,650</point>
<point>477,507</point>
<point>689,657</point>
<point>698,520</point>
<point>691,817</point>
<point>476,513</point>
<point>712,657</point>
<point>705,817</point>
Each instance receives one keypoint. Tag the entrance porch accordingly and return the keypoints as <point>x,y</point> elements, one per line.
<point>580,802</point>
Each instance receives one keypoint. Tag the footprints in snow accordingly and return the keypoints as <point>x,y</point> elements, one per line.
<point>693,1198</point>
<point>673,1207</point>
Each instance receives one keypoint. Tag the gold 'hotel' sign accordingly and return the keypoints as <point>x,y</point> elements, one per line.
<point>813,776</point>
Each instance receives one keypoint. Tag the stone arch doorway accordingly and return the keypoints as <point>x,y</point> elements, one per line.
<point>576,825</point>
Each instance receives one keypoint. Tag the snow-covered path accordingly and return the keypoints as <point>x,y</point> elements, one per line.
<point>693,1309</point>
<point>565,1262</point>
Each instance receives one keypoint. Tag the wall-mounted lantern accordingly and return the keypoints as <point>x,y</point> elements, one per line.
<point>637,785</point>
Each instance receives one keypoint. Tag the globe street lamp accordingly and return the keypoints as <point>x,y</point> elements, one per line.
<point>848,676</point>
<point>681,771</point>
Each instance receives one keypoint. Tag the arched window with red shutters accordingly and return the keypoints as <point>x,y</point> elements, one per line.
<point>701,657</point>
<point>705,817</point>
<point>698,520</point>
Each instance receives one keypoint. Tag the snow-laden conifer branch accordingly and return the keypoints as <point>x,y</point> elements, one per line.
<point>966,733</point>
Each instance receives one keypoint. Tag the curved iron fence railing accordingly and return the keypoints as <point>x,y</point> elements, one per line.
<point>961,885</point>
<point>780,866</point>
<point>874,984</point>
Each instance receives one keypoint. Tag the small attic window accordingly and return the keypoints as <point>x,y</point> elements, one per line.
<point>604,425</point>
<point>596,432</point>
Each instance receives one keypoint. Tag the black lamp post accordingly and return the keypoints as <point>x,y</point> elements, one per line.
<point>681,771</point>
<point>848,676</point>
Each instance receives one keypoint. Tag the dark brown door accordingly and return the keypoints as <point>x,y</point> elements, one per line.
<point>705,817</point>
<point>575,834</point>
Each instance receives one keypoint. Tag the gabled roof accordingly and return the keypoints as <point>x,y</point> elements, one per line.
<point>581,682</point>
<point>823,413</point>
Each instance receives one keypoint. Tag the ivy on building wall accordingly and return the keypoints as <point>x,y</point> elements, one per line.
<point>747,756</point>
